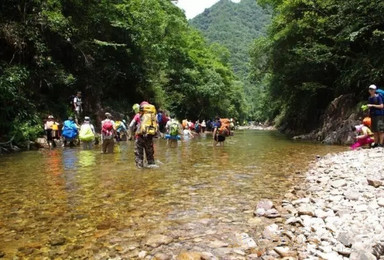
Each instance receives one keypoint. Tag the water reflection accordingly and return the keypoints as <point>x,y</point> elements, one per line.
<point>98,201</point>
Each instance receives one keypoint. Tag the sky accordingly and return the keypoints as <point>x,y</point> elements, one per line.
<point>195,7</point>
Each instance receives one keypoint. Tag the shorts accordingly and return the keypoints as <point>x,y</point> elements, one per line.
<point>219,138</point>
<point>377,124</point>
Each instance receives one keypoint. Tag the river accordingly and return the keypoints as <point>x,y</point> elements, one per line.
<point>75,204</point>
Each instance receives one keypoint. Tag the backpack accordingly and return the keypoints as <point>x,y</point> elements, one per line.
<point>160,118</point>
<point>380,92</point>
<point>174,128</point>
<point>197,128</point>
<point>69,130</point>
<point>148,121</point>
<point>225,126</point>
<point>86,134</point>
<point>107,129</point>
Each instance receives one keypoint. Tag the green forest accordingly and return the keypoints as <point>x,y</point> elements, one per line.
<point>316,50</point>
<point>117,52</point>
<point>277,61</point>
<point>236,26</point>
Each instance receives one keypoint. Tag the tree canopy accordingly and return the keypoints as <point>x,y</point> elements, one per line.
<point>118,52</point>
<point>316,50</point>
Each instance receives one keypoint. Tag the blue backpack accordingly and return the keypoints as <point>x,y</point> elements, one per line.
<point>380,92</point>
<point>69,130</point>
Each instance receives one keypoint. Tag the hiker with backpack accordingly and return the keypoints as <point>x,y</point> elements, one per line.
<point>376,112</point>
<point>69,131</point>
<point>173,128</point>
<point>107,134</point>
<point>51,129</point>
<point>146,129</point>
<point>87,134</point>
<point>121,129</point>
<point>221,131</point>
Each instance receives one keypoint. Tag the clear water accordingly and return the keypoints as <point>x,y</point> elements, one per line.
<point>106,208</point>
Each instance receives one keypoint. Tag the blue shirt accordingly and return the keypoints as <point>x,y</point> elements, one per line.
<point>376,100</point>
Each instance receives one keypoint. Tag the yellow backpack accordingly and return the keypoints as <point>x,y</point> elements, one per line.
<point>148,121</point>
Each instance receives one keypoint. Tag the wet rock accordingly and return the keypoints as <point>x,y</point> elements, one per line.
<point>271,232</point>
<point>265,204</point>
<point>245,241</point>
<point>284,252</point>
<point>272,213</point>
<point>57,241</point>
<point>157,240</point>
<point>375,182</point>
<point>26,250</point>
<point>259,212</point>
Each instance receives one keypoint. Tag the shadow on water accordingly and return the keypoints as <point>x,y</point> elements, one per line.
<point>75,203</point>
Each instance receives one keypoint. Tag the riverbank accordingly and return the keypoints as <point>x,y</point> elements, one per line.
<point>336,213</point>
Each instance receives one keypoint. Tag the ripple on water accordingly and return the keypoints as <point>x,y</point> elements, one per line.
<point>73,203</point>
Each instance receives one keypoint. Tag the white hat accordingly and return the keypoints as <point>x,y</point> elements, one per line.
<point>372,87</point>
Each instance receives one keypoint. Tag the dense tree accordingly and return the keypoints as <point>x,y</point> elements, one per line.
<point>315,51</point>
<point>117,52</point>
<point>236,26</point>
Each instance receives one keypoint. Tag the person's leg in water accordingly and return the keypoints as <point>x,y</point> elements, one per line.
<point>139,151</point>
<point>149,150</point>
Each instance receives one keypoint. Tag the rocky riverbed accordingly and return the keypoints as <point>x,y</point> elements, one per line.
<point>337,213</point>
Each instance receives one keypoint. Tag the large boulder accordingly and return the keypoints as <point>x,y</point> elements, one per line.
<point>336,122</point>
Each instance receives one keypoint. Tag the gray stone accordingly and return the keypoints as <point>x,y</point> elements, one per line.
<point>259,212</point>
<point>305,210</point>
<point>265,204</point>
<point>272,213</point>
<point>361,255</point>
<point>380,202</point>
<point>271,231</point>
<point>352,195</point>
<point>338,183</point>
<point>346,239</point>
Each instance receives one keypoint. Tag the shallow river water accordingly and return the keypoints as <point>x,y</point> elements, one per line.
<point>75,204</point>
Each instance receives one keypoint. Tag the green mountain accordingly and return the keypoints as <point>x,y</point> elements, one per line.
<point>236,26</point>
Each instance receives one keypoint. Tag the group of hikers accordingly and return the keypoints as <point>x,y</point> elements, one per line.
<point>371,130</point>
<point>146,125</point>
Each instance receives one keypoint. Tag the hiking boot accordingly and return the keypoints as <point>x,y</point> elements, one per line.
<point>153,166</point>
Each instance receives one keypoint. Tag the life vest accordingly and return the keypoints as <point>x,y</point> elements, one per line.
<point>86,134</point>
<point>148,122</point>
<point>224,129</point>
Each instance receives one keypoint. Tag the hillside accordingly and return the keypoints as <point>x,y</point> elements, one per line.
<point>234,25</point>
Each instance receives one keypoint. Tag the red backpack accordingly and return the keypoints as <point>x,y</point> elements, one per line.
<point>107,128</point>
